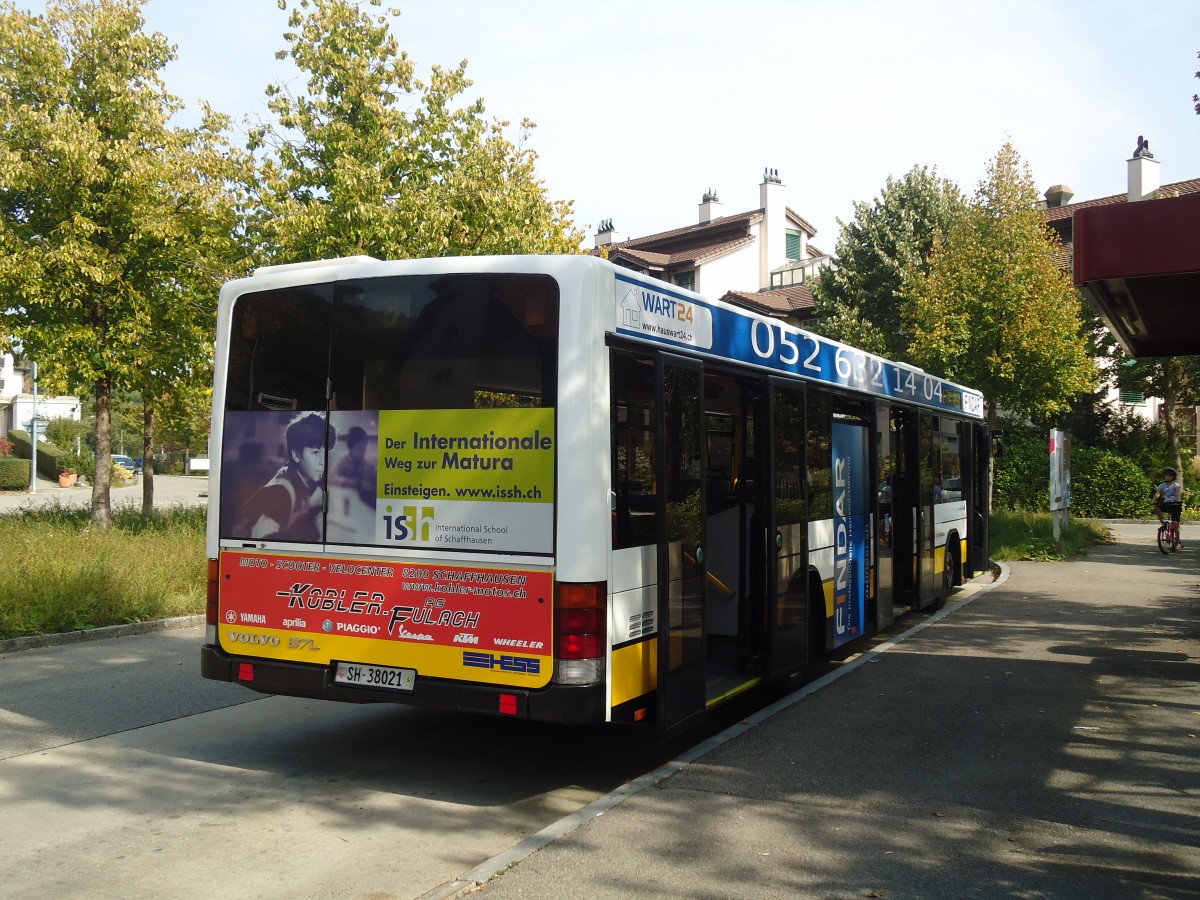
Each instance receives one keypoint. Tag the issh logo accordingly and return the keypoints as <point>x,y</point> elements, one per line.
<point>415,523</point>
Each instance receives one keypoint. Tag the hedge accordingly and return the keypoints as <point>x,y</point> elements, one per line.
<point>49,456</point>
<point>14,474</point>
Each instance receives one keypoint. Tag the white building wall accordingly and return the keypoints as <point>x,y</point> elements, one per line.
<point>736,271</point>
<point>16,406</point>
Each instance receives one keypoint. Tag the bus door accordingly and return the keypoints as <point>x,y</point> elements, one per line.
<point>906,489</point>
<point>681,541</point>
<point>931,584</point>
<point>787,535</point>
<point>975,470</point>
<point>884,474</point>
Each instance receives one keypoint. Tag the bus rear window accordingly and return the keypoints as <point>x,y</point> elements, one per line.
<point>436,397</point>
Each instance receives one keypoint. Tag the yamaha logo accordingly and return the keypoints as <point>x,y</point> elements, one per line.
<point>230,616</point>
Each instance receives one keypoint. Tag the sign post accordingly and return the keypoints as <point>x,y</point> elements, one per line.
<point>1060,479</point>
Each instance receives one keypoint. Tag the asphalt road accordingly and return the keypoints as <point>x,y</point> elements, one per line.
<point>123,774</point>
<point>188,490</point>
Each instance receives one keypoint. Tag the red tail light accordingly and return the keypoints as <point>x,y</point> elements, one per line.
<point>214,575</point>
<point>579,620</point>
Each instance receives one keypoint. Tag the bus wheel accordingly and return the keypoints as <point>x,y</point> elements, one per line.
<point>949,574</point>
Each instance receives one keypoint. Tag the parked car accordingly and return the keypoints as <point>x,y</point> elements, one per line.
<point>127,462</point>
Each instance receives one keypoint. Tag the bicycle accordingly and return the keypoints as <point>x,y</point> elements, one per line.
<point>1168,536</point>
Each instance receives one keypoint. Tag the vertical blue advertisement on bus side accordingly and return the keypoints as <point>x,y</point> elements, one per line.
<point>850,532</point>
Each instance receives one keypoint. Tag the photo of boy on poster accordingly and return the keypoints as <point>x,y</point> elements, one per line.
<point>285,505</point>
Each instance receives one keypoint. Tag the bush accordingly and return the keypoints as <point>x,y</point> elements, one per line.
<point>14,474</point>
<point>83,463</point>
<point>1022,474</point>
<point>1108,485</point>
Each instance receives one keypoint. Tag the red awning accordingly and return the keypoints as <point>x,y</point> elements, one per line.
<point>1140,264</point>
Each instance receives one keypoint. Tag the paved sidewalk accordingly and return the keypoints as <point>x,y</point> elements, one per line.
<point>169,490</point>
<point>1038,741</point>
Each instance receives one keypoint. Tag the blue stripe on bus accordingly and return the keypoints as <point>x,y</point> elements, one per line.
<point>774,345</point>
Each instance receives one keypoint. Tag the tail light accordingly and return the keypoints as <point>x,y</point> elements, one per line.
<point>211,606</point>
<point>580,632</point>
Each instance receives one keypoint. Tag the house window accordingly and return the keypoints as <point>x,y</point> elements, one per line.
<point>686,280</point>
<point>793,244</point>
<point>1132,397</point>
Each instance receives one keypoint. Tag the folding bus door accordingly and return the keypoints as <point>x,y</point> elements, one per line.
<point>681,540</point>
<point>787,625</point>
<point>930,462</point>
<point>977,463</point>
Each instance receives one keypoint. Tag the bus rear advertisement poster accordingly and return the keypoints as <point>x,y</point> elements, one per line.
<point>473,479</point>
<point>487,624</point>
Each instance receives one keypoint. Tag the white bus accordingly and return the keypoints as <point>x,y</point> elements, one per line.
<point>552,488</point>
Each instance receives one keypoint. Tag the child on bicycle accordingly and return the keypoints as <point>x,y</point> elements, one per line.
<point>1168,498</point>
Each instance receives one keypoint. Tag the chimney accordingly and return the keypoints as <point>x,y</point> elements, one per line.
<point>710,207</point>
<point>606,234</point>
<point>1143,173</point>
<point>772,253</point>
<point>1059,195</point>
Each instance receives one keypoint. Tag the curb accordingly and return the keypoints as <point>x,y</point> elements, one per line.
<point>36,641</point>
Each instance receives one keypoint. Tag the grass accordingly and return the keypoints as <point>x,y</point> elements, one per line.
<point>1015,534</point>
<point>64,575</point>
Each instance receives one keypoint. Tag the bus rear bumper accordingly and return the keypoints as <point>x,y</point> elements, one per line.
<point>573,704</point>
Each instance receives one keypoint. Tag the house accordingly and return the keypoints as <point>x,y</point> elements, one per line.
<point>1144,183</point>
<point>17,400</point>
<point>761,259</point>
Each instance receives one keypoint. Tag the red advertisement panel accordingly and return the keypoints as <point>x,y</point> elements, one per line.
<point>475,623</point>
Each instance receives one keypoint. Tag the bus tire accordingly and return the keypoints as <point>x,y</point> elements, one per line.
<point>949,573</point>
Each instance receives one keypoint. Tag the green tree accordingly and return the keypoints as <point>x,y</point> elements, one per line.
<point>861,300</point>
<point>993,310</point>
<point>1175,381</point>
<point>106,210</point>
<point>371,159</point>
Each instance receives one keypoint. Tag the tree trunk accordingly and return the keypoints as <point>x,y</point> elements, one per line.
<point>102,480</point>
<point>148,454</point>
<point>1170,395</point>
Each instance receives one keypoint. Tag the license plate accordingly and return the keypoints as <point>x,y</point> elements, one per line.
<point>375,676</point>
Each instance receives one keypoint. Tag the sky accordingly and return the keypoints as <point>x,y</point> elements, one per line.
<point>642,107</point>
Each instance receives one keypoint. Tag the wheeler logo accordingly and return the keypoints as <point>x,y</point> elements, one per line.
<point>524,665</point>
